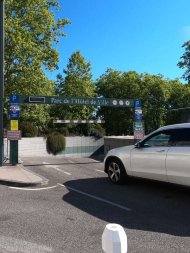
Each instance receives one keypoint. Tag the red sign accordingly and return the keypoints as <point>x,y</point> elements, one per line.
<point>138,134</point>
<point>13,135</point>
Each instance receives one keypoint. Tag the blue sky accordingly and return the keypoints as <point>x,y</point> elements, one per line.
<point>141,35</point>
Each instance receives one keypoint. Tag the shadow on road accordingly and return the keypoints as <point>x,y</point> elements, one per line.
<point>155,207</point>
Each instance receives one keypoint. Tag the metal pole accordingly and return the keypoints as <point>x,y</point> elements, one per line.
<point>1,78</point>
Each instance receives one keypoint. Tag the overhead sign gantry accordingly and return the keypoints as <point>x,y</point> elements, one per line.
<point>15,100</point>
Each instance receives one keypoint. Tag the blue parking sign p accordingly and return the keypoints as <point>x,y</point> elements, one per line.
<point>14,99</point>
<point>137,103</point>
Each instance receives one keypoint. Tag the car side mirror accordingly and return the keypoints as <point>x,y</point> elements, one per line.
<point>138,145</point>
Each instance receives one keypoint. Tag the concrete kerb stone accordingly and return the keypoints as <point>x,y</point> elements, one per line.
<point>19,176</point>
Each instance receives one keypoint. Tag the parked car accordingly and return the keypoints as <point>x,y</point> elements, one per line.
<point>163,155</point>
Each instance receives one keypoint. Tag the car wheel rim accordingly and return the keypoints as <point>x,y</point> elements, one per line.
<point>114,172</point>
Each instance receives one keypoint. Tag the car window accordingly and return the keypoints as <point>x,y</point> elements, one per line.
<point>159,139</point>
<point>181,137</point>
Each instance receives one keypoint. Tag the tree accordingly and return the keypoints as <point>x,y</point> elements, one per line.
<point>77,82</point>
<point>116,84</point>
<point>156,93</point>
<point>179,98</point>
<point>30,33</point>
<point>185,61</point>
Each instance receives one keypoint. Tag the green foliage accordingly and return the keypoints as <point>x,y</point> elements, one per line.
<point>116,84</point>
<point>64,131</point>
<point>179,98</point>
<point>28,129</point>
<point>97,131</point>
<point>155,92</point>
<point>159,96</point>
<point>37,114</point>
<point>77,82</point>
<point>55,143</point>
<point>184,63</point>
<point>31,32</point>
<point>78,130</point>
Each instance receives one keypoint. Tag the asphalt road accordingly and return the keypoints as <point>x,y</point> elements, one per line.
<point>70,213</point>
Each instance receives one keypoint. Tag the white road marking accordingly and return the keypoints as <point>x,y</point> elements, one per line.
<point>67,173</point>
<point>70,161</point>
<point>96,161</point>
<point>33,189</point>
<point>95,197</point>
<point>56,168</point>
<point>100,171</point>
<point>75,190</point>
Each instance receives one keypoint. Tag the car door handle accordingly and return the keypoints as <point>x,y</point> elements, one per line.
<point>160,151</point>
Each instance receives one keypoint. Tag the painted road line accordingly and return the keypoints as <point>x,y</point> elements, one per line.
<point>96,161</point>
<point>95,197</point>
<point>35,189</point>
<point>100,171</point>
<point>65,172</point>
<point>75,190</point>
<point>70,161</point>
<point>49,165</point>
<point>56,168</point>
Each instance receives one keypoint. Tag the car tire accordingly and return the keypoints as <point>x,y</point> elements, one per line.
<point>116,171</point>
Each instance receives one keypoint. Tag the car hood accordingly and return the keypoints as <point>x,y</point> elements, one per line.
<point>120,150</point>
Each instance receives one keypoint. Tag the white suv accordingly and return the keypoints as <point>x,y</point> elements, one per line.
<point>163,155</point>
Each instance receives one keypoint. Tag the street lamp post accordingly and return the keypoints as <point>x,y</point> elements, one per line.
<point>1,78</point>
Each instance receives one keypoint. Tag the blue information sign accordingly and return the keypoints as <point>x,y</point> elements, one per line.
<point>14,115</point>
<point>137,103</point>
<point>14,111</point>
<point>14,99</point>
<point>138,114</point>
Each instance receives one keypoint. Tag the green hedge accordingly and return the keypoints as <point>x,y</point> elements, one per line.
<point>28,129</point>
<point>55,143</point>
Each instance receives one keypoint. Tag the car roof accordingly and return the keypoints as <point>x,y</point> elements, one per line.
<point>182,125</point>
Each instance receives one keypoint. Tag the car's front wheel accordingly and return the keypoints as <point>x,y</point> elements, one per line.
<point>116,171</point>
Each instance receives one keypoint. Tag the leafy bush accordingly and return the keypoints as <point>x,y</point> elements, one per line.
<point>64,131</point>
<point>97,131</point>
<point>55,143</point>
<point>28,129</point>
<point>78,130</point>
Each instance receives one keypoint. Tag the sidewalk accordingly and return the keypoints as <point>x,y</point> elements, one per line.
<point>19,176</point>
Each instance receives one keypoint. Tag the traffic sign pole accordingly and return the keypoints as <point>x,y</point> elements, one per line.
<point>1,78</point>
<point>138,123</point>
<point>14,135</point>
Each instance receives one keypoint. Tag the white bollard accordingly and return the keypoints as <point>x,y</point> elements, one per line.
<point>114,239</point>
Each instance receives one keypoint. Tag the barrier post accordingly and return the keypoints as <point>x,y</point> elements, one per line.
<point>114,239</point>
